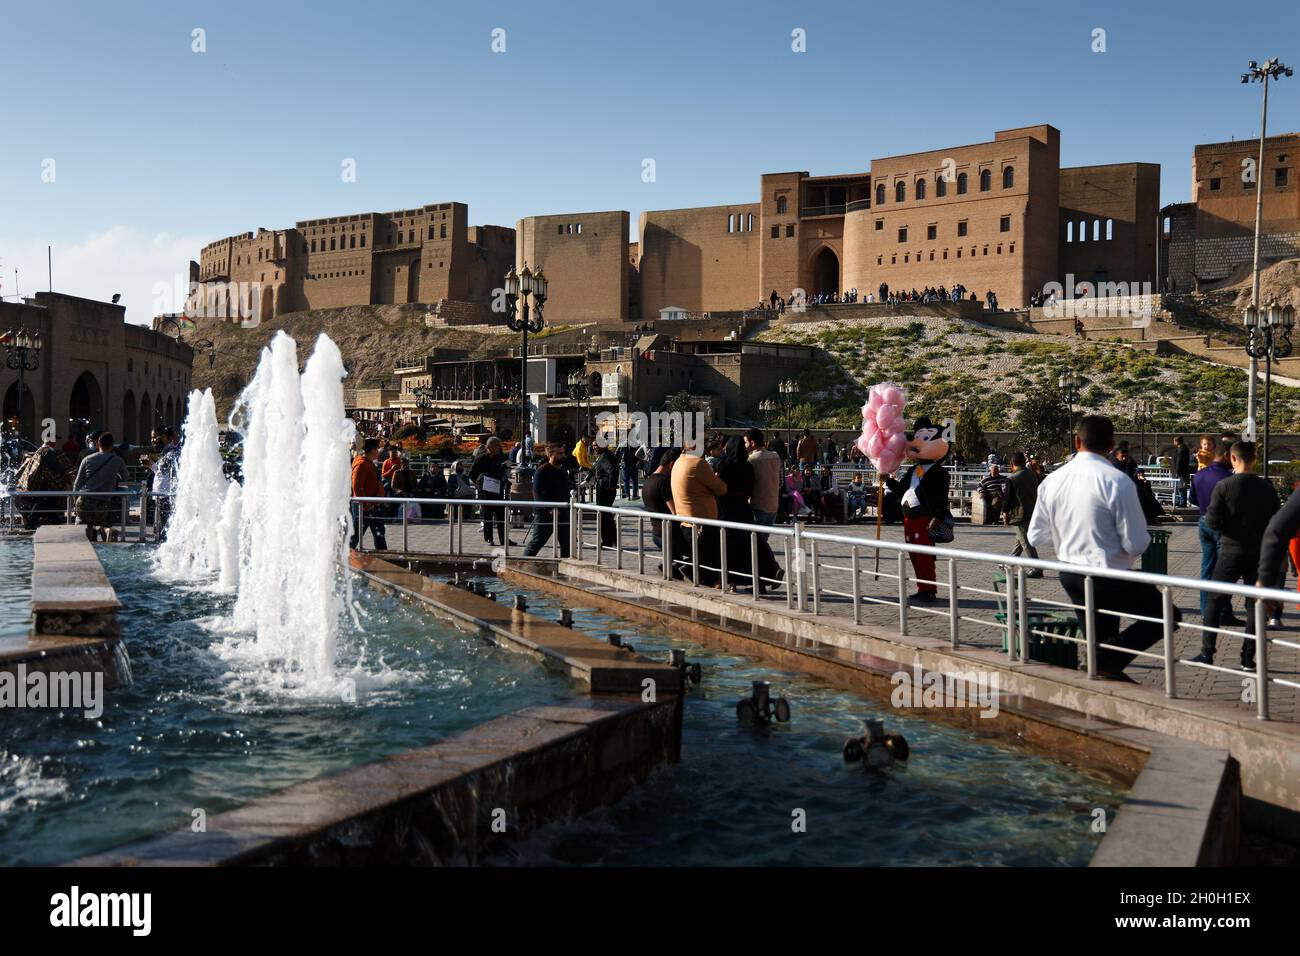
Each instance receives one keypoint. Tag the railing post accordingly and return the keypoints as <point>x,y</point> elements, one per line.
<point>666,548</point>
<point>857,587</point>
<point>640,545</point>
<point>618,542</point>
<point>406,538</point>
<point>1090,622</point>
<point>755,579</point>
<point>126,508</point>
<point>789,574</point>
<point>1022,594</point>
<point>144,514</point>
<point>722,557</point>
<point>695,554</point>
<point>1261,658</point>
<point>1010,622</point>
<point>816,580</point>
<point>902,592</point>
<point>953,621</point>
<point>801,591</point>
<point>1167,618</point>
<point>555,531</point>
<point>575,535</point>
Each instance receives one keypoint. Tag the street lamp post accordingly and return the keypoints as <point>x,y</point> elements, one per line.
<point>765,408</point>
<point>1142,412</point>
<point>423,402</point>
<point>525,296</point>
<point>1255,73</point>
<point>22,354</point>
<point>1070,383</point>
<point>1268,336</point>
<point>580,389</point>
<point>788,390</point>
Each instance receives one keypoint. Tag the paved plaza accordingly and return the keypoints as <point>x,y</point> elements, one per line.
<point>978,605</point>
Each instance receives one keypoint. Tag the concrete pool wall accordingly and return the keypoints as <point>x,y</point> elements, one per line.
<point>74,613</point>
<point>1183,801</point>
<point>454,800</point>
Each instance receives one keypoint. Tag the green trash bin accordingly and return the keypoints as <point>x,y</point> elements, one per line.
<point>1156,557</point>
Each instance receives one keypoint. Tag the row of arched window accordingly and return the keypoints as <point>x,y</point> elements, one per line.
<point>941,185</point>
<point>1078,232</point>
<point>744,221</point>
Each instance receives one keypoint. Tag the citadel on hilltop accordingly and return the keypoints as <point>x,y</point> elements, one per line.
<point>1001,215</point>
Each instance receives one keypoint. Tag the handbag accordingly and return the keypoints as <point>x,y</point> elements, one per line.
<point>945,531</point>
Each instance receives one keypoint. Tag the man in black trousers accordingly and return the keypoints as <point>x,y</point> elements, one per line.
<point>1240,510</point>
<point>1088,511</point>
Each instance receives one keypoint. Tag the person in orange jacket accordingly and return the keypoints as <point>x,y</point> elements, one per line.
<point>366,484</point>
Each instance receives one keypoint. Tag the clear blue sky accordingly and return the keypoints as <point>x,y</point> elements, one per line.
<point>158,149</point>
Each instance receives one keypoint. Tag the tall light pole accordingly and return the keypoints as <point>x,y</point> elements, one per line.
<point>1268,334</point>
<point>1143,412</point>
<point>525,296</point>
<point>1070,383</point>
<point>788,390</point>
<point>1255,73</point>
<point>22,354</point>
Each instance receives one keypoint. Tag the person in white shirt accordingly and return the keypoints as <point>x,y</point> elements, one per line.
<point>1088,512</point>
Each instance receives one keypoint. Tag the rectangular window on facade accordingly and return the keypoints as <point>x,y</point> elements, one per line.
<point>789,230</point>
<point>1215,183</point>
<point>902,234</point>
<point>931,232</point>
<point>1004,224</point>
<point>880,224</point>
<point>442,232</point>
<point>776,234</point>
<point>1279,176</point>
<point>961,228</point>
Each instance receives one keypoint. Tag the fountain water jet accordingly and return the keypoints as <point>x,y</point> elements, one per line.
<point>192,548</point>
<point>280,540</point>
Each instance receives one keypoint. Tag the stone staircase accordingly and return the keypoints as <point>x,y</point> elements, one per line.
<point>1142,322</point>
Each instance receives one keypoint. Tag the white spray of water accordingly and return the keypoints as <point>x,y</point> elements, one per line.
<point>192,549</point>
<point>280,541</point>
<point>228,537</point>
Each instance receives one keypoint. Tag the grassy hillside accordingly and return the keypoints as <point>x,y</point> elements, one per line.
<point>945,364</point>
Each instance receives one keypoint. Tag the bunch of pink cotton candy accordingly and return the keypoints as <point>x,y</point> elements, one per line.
<point>884,434</point>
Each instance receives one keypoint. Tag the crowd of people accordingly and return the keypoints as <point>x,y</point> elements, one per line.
<point>92,466</point>
<point>928,295</point>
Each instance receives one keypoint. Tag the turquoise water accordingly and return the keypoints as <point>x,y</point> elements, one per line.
<point>962,798</point>
<point>199,729</point>
<point>15,586</point>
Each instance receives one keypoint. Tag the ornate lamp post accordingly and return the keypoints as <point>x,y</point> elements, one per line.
<point>580,389</point>
<point>1268,336</point>
<point>22,354</point>
<point>423,401</point>
<point>766,407</point>
<point>1070,384</point>
<point>1142,412</point>
<point>525,296</point>
<point>788,390</point>
<point>1255,73</point>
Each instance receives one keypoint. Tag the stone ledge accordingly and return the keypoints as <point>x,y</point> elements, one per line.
<point>437,804</point>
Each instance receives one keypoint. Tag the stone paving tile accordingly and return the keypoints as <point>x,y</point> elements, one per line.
<point>973,577</point>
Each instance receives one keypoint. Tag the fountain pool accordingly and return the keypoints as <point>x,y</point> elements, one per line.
<point>199,729</point>
<point>962,799</point>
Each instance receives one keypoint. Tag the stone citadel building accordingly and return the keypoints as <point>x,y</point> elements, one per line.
<point>1001,215</point>
<point>1214,235</point>
<point>96,371</point>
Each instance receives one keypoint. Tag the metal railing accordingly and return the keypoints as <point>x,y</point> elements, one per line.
<point>802,573</point>
<point>14,516</point>
<point>457,512</point>
<point>806,565</point>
